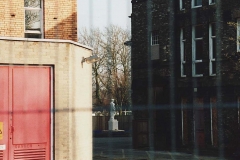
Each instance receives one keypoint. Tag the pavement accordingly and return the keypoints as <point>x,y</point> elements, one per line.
<point>120,148</point>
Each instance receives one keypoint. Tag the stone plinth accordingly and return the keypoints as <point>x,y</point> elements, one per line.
<point>112,124</point>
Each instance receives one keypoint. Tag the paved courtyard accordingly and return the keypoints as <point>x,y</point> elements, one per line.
<point>120,148</point>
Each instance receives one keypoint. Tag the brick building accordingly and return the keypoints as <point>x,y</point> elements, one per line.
<point>185,74</point>
<point>45,86</point>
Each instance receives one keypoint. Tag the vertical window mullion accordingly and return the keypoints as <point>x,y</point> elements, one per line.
<point>238,34</point>
<point>193,51</point>
<point>41,18</point>
<point>197,36</point>
<point>182,52</point>
<point>210,49</point>
<point>212,37</point>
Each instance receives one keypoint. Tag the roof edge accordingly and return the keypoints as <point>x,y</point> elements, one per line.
<point>45,40</point>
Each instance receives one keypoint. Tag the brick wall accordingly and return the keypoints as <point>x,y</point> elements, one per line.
<point>12,18</point>
<point>60,19</point>
<point>165,71</point>
<point>72,91</point>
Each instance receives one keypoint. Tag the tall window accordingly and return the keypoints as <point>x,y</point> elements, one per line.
<point>196,3</point>
<point>212,2</point>
<point>182,4</point>
<point>33,18</point>
<point>212,49</point>
<point>238,35</point>
<point>155,38</point>
<point>182,52</point>
<point>197,51</point>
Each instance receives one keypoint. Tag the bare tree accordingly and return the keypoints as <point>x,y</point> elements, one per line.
<point>112,74</point>
<point>94,39</point>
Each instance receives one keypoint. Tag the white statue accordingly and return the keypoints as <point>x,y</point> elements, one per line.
<point>112,109</point>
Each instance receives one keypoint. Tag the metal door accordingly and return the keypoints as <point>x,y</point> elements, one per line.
<point>27,124</point>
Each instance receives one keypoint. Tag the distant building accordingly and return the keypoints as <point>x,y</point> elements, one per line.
<point>45,87</point>
<point>185,74</point>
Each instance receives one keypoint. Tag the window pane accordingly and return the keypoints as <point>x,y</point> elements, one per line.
<point>183,33</point>
<point>214,47</point>
<point>199,49</point>
<point>198,31</point>
<point>212,1</point>
<point>213,29</point>
<point>155,37</point>
<point>213,67</point>
<point>184,51</point>
<point>32,3</point>
<point>32,20</point>
<point>198,2</point>
<point>183,4</point>
<point>199,68</point>
<point>184,69</point>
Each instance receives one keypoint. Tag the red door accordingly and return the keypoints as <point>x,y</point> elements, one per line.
<point>26,132</point>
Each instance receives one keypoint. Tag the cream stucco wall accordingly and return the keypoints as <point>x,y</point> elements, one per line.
<point>72,90</point>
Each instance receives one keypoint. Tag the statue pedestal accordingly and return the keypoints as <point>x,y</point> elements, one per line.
<point>112,124</point>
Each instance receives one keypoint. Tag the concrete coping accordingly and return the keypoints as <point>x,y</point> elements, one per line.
<point>45,40</point>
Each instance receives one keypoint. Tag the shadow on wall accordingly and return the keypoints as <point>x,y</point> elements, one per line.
<point>66,29</point>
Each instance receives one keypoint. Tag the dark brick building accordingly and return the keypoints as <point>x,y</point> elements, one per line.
<point>186,74</point>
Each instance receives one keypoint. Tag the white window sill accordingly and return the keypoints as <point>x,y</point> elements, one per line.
<point>212,75</point>
<point>197,61</point>
<point>155,45</point>
<point>196,6</point>
<point>182,9</point>
<point>212,3</point>
<point>183,76</point>
<point>198,75</point>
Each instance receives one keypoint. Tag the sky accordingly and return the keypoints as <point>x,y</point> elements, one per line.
<point>101,13</point>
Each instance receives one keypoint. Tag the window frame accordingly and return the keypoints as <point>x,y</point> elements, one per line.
<point>211,49</point>
<point>194,60</point>
<point>238,35</point>
<point>182,52</point>
<point>36,32</point>
<point>211,2</point>
<point>154,38</point>
<point>181,5</point>
<point>194,5</point>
